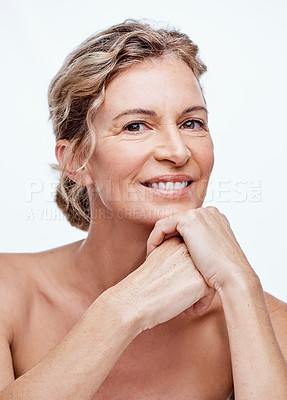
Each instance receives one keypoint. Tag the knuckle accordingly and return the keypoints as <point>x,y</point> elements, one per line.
<point>195,214</point>
<point>158,223</point>
<point>225,218</point>
<point>191,213</point>
<point>212,209</point>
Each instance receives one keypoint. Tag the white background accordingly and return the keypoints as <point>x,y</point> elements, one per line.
<point>243,44</point>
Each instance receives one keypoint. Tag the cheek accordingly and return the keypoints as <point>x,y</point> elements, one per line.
<point>205,158</point>
<point>119,160</point>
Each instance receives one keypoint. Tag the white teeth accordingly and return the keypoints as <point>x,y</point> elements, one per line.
<point>179,185</point>
<point>168,185</point>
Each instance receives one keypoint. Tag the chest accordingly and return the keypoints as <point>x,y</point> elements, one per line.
<point>176,377</point>
<point>176,361</point>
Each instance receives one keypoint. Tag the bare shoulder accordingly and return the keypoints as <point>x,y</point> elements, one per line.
<point>278,314</point>
<point>277,308</point>
<point>24,277</point>
<point>14,267</point>
<point>14,283</point>
<point>24,274</point>
<point>12,272</point>
<point>15,273</point>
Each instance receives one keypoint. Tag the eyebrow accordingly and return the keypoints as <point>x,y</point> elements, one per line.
<point>152,113</point>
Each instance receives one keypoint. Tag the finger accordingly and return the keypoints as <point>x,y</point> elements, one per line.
<point>225,219</point>
<point>171,235</point>
<point>189,311</point>
<point>162,228</point>
<point>200,307</point>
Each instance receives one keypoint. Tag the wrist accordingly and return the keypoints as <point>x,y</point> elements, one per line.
<point>237,278</point>
<point>127,315</point>
<point>244,304</point>
<point>241,287</point>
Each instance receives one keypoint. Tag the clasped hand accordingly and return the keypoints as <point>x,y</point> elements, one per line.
<point>210,241</point>
<point>182,275</point>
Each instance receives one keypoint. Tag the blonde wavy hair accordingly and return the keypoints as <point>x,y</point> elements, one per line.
<point>78,89</point>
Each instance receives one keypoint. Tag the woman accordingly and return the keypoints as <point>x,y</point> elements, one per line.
<point>159,301</point>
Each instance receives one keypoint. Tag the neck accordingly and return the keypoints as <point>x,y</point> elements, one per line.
<point>112,250</point>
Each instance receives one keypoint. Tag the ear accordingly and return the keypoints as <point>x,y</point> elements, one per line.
<point>83,177</point>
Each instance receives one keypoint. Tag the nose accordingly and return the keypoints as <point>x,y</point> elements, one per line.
<point>172,147</point>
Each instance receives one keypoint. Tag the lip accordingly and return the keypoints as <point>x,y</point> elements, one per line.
<point>169,178</point>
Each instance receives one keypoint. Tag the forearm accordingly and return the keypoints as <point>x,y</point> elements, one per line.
<point>76,368</point>
<point>259,368</point>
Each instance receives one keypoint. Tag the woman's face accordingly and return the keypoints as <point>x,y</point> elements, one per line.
<point>151,129</point>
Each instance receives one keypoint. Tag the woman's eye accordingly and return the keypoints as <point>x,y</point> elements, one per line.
<point>193,124</point>
<point>134,127</point>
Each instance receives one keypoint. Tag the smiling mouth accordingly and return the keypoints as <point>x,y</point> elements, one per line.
<point>168,185</point>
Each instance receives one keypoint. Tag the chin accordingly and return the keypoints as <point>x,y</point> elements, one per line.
<point>149,215</point>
